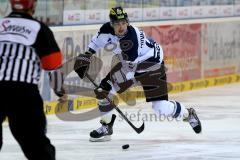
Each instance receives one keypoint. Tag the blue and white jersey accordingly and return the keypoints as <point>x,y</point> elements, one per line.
<point>134,45</point>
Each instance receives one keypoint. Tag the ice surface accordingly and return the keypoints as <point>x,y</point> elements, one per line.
<point>218,109</point>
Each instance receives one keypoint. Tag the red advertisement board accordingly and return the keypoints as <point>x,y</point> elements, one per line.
<point>182,50</point>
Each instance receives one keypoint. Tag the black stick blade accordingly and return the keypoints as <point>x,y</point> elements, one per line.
<point>140,129</point>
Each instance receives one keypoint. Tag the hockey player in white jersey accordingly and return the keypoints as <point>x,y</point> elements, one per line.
<point>141,61</point>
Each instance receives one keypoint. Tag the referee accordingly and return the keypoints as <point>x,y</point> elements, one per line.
<point>26,47</point>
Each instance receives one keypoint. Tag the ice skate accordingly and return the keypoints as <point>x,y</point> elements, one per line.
<point>103,133</point>
<point>194,120</point>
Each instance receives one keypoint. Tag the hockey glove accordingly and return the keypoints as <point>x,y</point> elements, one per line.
<point>104,88</point>
<point>82,63</point>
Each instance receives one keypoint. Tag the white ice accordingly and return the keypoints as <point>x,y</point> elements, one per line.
<point>218,109</point>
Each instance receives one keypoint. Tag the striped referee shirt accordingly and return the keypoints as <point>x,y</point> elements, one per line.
<point>26,47</point>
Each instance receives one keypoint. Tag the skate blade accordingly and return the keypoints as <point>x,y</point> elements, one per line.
<point>102,139</point>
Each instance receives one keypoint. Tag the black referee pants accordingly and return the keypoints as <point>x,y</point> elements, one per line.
<point>23,106</point>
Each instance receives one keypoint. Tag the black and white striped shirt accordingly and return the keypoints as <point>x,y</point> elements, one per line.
<point>24,42</point>
<point>19,63</point>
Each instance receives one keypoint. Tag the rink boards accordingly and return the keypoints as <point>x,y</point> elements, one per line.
<point>136,95</point>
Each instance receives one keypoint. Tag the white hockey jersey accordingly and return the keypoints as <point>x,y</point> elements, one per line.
<point>136,47</point>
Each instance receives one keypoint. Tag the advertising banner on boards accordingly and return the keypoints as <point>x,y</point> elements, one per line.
<point>151,14</point>
<point>71,17</point>
<point>182,50</point>
<point>221,49</point>
<point>167,12</point>
<point>183,12</point>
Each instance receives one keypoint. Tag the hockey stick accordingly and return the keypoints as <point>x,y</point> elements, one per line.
<point>138,130</point>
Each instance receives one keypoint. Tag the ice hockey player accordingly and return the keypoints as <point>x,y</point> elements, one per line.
<point>141,60</point>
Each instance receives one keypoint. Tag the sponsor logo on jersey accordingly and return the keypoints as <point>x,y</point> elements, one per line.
<point>8,28</point>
